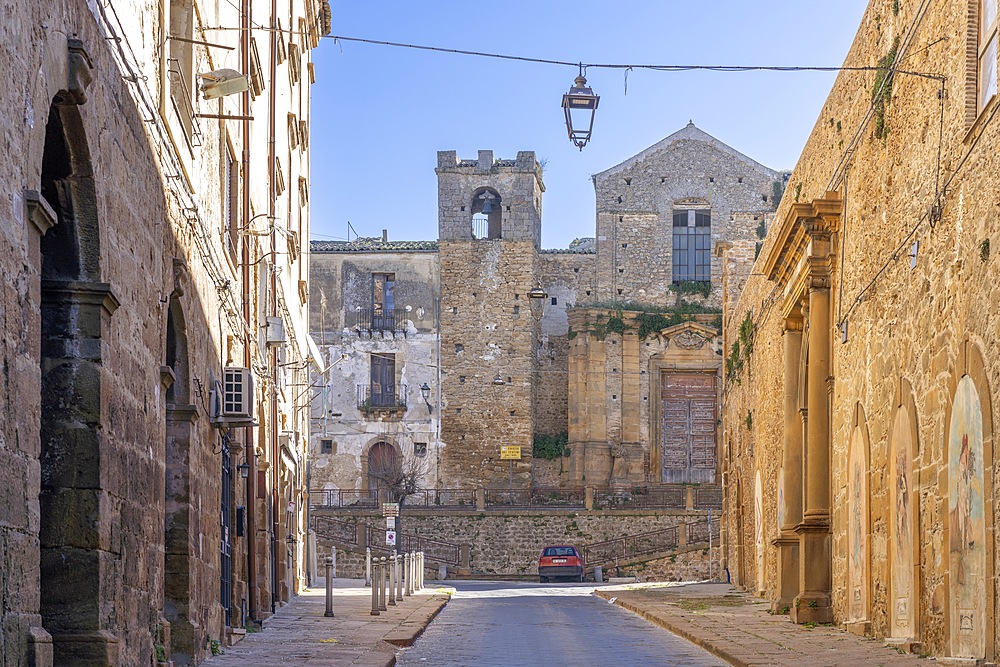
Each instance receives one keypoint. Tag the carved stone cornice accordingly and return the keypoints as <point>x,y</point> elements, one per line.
<point>78,76</point>
<point>80,293</point>
<point>40,213</point>
<point>802,225</point>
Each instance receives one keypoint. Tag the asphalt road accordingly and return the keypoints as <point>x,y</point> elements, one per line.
<point>515,624</point>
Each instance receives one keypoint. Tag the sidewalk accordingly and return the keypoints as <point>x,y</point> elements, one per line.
<point>738,628</point>
<point>299,633</point>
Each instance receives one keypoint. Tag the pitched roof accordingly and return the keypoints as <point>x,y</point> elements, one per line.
<point>687,133</point>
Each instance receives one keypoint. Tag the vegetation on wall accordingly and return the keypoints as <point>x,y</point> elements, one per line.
<point>741,349</point>
<point>550,446</point>
<point>882,88</point>
<point>645,320</point>
<point>700,288</point>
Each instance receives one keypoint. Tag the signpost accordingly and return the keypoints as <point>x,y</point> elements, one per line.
<point>390,538</point>
<point>390,523</point>
<point>510,453</point>
<point>390,509</point>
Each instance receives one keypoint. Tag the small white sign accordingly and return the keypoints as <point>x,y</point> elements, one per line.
<point>390,538</point>
<point>390,523</point>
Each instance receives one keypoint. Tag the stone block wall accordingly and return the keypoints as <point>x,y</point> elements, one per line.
<point>489,330</point>
<point>510,542</point>
<point>919,318</point>
<point>635,204</point>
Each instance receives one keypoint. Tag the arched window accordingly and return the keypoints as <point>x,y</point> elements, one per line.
<point>486,214</point>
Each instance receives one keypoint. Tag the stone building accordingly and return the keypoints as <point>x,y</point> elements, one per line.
<point>154,305</point>
<point>860,473</point>
<point>514,342</point>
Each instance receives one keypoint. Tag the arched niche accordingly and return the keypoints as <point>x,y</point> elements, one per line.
<point>903,525</point>
<point>968,458</point>
<point>487,215</point>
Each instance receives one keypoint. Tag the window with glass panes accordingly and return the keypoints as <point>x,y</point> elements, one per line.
<point>692,257</point>
<point>987,64</point>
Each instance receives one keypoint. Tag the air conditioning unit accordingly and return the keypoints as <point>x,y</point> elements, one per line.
<point>232,398</point>
<point>275,334</point>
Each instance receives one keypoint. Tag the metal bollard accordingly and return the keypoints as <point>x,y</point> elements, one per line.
<point>408,574</point>
<point>420,571</point>
<point>392,581</point>
<point>375,611</point>
<point>368,566</point>
<point>383,583</point>
<point>329,587</point>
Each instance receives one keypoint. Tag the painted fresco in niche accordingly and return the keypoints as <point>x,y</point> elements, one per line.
<point>758,515</point>
<point>967,524</point>
<point>857,566</point>
<point>902,524</point>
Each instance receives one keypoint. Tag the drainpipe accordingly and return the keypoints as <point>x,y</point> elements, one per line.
<point>273,306</point>
<point>243,240</point>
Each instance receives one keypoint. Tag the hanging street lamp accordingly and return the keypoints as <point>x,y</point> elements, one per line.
<point>579,104</point>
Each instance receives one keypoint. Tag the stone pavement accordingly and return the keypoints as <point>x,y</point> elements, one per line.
<point>299,633</point>
<point>738,628</point>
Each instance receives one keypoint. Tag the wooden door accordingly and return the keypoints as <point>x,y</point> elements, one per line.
<point>383,380</point>
<point>687,428</point>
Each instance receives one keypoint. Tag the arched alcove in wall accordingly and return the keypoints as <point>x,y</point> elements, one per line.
<point>969,520</point>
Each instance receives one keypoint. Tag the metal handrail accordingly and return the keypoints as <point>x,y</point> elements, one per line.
<point>381,397</point>
<point>378,319</point>
<point>185,104</point>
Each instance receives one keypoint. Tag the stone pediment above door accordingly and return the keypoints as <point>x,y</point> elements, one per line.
<point>691,337</point>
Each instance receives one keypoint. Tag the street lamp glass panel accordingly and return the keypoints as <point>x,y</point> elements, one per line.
<point>579,105</point>
<point>425,391</point>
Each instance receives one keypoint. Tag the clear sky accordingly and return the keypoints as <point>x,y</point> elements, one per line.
<point>381,113</point>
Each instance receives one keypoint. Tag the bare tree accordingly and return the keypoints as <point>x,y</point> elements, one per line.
<point>396,478</point>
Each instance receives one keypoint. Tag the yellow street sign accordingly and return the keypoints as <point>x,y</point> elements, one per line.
<point>510,453</point>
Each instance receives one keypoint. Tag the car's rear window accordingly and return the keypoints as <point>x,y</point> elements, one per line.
<point>559,551</point>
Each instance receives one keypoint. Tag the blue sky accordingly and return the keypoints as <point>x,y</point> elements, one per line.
<point>381,113</point>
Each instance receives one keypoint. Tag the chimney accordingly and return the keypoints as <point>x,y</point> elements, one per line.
<point>385,236</point>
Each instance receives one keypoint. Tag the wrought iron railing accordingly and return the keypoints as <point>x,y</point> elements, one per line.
<point>434,550</point>
<point>378,319</point>
<point>348,498</point>
<point>640,497</point>
<point>673,497</point>
<point>183,101</point>
<point>327,527</point>
<point>708,497</point>
<point>630,546</point>
<point>537,497</point>
<point>381,397</point>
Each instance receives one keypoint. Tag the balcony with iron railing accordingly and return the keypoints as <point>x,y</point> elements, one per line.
<point>182,98</point>
<point>382,397</point>
<point>378,319</point>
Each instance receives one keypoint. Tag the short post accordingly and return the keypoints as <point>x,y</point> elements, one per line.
<point>383,584</point>
<point>392,581</point>
<point>420,572</point>
<point>709,543</point>
<point>375,587</point>
<point>407,575</point>
<point>368,566</point>
<point>329,587</point>
<point>399,577</point>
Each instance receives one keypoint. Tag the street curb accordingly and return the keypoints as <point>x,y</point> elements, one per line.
<point>408,631</point>
<point>666,624</point>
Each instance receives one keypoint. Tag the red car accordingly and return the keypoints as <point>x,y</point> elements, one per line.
<point>560,561</point>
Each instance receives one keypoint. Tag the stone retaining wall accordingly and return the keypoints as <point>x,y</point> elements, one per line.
<point>508,543</point>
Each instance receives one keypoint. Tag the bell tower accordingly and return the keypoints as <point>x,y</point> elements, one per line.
<point>489,229</point>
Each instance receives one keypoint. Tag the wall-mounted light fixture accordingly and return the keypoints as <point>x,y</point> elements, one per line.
<point>498,380</point>
<point>244,469</point>
<point>580,104</point>
<point>537,292</point>
<point>222,82</point>
<point>425,392</point>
